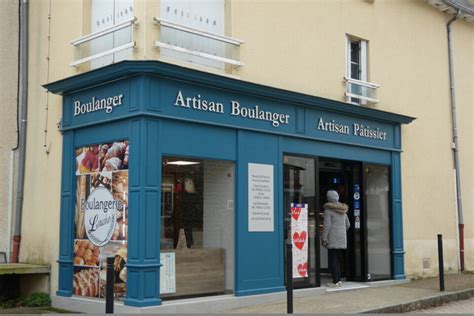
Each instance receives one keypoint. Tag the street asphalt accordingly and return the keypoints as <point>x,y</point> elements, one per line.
<point>461,307</point>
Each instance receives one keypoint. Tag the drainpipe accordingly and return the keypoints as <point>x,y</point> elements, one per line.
<point>455,142</point>
<point>23,99</point>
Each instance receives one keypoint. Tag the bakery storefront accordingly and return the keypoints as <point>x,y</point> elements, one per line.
<point>193,182</point>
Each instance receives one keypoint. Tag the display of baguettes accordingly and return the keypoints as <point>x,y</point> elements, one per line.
<point>86,282</point>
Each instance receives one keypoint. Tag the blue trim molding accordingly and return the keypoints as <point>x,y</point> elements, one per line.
<point>66,228</point>
<point>397,220</point>
<point>164,109</point>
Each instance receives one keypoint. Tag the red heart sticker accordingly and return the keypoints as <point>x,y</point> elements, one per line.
<point>299,240</point>
<point>295,212</point>
<point>303,269</point>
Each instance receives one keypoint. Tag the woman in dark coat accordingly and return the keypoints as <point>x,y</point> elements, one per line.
<point>334,237</point>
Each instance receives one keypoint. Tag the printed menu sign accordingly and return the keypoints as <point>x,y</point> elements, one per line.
<point>260,197</point>
<point>101,220</point>
<point>168,273</point>
<point>299,238</point>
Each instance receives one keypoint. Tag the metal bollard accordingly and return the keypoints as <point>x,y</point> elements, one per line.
<point>109,292</point>
<point>440,262</point>
<point>289,277</point>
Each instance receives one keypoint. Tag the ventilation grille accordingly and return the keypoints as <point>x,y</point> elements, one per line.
<point>426,263</point>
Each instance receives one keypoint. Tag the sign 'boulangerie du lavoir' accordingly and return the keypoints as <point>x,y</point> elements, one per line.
<point>101,217</point>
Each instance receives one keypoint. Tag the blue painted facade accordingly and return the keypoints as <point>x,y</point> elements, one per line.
<point>152,117</point>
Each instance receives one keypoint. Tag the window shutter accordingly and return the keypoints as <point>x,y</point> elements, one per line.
<point>102,16</point>
<point>363,61</point>
<point>206,16</point>
<point>363,65</point>
<point>123,11</point>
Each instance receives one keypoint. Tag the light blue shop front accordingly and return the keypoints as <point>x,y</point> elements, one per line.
<point>160,110</point>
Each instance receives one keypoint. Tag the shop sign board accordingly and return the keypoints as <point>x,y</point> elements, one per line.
<point>260,198</point>
<point>236,109</point>
<point>106,104</point>
<point>354,128</point>
<point>299,239</point>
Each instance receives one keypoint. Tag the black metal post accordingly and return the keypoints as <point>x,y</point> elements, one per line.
<point>440,262</point>
<point>109,292</point>
<point>289,277</point>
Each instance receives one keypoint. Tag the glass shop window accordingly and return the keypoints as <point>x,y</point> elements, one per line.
<point>197,227</point>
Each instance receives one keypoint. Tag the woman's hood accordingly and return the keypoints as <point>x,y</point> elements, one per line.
<point>336,207</point>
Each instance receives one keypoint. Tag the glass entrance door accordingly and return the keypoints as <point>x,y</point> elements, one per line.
<point>345,178</point>
<point>300,192</point>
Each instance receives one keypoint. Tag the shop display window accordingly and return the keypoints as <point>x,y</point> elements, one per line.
<point>101,218</point>
<point>197,227</point>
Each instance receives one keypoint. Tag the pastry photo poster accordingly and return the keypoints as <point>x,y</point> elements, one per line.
<point>101,218</point>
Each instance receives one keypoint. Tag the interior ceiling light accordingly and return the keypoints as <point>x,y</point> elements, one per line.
<point>183,163</point>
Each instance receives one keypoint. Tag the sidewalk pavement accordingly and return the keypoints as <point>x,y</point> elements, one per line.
<point>352,298</point>
<point>415,295</point>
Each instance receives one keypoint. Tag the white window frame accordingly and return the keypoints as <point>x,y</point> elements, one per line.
<point>362,57</point>
<point>363,64</point>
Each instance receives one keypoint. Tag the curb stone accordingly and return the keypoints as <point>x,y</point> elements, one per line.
<point>433,301</point>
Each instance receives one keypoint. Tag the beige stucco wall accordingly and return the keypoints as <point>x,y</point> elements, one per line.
<point>49,61</point>
<point>301,47</point>
<point>297,46</point>
<point>8,109</point>
<point>463,45</point>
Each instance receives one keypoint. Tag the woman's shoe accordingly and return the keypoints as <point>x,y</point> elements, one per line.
<point>338,284</point>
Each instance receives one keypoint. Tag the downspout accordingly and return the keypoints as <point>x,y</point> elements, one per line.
<point>455,142</point>
<point>23,99</point>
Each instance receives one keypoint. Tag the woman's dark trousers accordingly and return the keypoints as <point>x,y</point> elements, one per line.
<point>334,265</point>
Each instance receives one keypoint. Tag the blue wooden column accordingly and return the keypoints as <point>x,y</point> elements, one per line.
<point>143,266</point>
<point>259,255</point>
<point>398,251</point>
<point>66,228</point>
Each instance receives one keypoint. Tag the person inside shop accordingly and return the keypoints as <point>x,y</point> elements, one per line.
<point>336,224</point>
<point>189,209</point>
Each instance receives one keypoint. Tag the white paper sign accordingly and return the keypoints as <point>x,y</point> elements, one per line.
<point>261,211</point>
<point>167,273</point>
<point>357,223</point>
<point>299,239</point>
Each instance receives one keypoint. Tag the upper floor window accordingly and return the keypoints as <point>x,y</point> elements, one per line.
<point>358,89</point>
<point>357,63</point>
<point>193,31</point>
<point>111,34</point>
